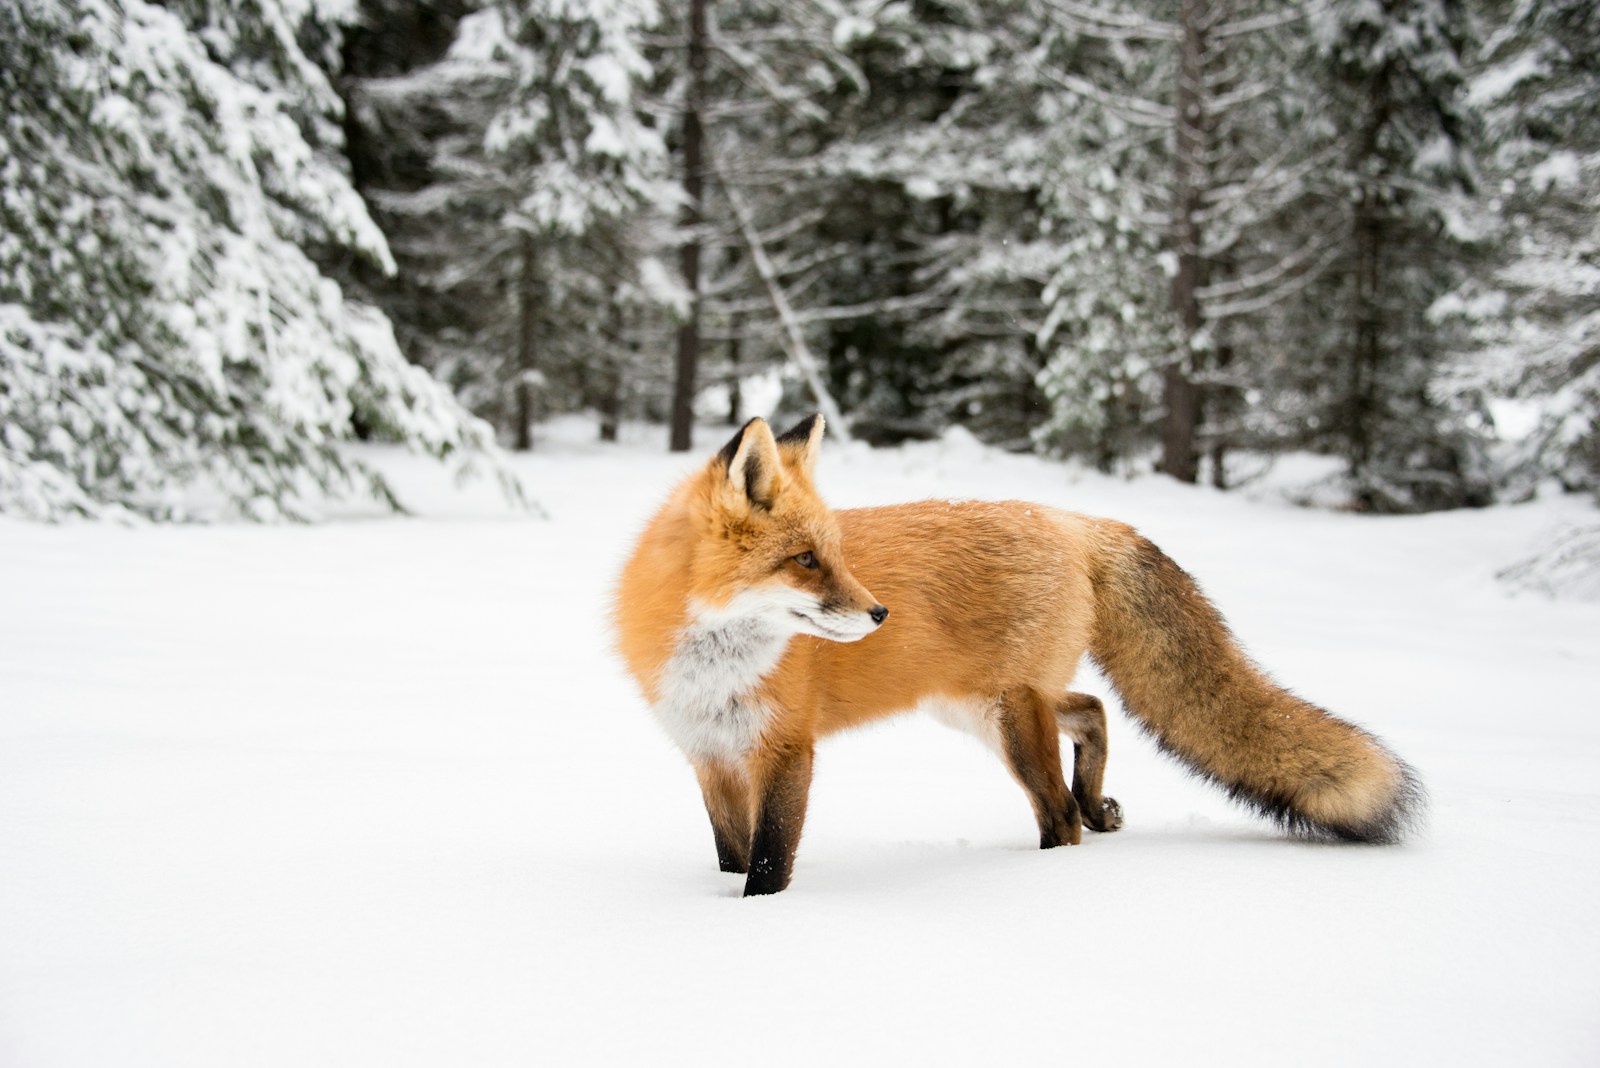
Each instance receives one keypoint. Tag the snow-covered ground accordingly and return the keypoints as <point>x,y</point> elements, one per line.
<point>376,792</point>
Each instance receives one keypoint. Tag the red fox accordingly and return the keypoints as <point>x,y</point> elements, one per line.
<point>745,615</point>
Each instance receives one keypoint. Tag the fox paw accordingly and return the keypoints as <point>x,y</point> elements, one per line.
<point>1110,816</point>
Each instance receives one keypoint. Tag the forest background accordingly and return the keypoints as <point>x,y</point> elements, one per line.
<point>1181,235</point>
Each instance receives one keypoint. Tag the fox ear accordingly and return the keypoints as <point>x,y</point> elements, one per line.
<point>803,441</point>
<point>753,466</point>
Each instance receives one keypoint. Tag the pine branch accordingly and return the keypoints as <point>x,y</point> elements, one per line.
<point>1112,25</point>
<point>1135,111</point>
<point>1276,284</point>
<point>1260,23</point>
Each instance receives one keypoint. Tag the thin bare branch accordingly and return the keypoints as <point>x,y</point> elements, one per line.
<point>793,333</point>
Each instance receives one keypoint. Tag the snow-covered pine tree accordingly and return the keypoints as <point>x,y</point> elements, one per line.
<point>527,221</point>
<point>888,156</point>
<point>1186,156</point>
<point>935,175</point>
<point>592,171</point>
<point>1108,330</point>
<point>1398,100</point>
<point>414,125</point>
<point>163,171</point>
<point>1535,319</point>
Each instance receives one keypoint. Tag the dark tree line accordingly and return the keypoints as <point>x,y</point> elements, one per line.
<point>1169,234</point>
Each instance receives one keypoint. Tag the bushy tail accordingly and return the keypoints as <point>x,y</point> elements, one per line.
<point>1181,674</point>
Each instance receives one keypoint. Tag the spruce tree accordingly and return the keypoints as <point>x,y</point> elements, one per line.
<point>519,177</point>
<point>164,171</point>
<point>1534,319</point>
<point>925,264</point>
<point>1400,105</point>
<point>1186,151</point>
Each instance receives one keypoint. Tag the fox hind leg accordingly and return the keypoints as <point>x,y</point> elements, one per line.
<point>726,789</point>
<point>1031,745</point>
<point>1082,717</point>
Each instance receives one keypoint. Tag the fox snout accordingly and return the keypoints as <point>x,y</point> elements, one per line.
<point>838,620</point>
<point>850,606</point>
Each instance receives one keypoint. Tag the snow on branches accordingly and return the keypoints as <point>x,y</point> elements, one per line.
<point>163,325</point>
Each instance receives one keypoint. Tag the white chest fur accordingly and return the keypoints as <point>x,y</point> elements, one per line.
<point>708,703</point>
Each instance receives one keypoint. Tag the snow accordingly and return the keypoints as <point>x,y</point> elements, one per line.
<point>375,792</point>
<point>1562,170</point>
<point>1495,83</point>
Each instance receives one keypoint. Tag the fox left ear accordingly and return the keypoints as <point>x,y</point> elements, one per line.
<point>803,441</point>
<point>753,466</point>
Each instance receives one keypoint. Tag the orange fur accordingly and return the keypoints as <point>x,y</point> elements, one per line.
<point>993,606</point>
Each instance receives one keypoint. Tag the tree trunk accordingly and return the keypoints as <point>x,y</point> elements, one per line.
<point>1359,410</point>
<point>735,386</point>
<point>1221,407</point>
<point>1180,457</point>
<point>693,215</point>
<point>611,405</point>
<point>1366,351</point>
<point>526,367</point>
<point>610,400</point>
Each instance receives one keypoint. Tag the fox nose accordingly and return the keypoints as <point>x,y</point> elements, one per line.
<point>878,614</point>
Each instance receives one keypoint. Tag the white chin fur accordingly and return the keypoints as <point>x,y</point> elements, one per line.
<point>837,628</point>
<point>787,610</point>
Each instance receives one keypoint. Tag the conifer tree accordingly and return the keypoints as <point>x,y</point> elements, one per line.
<point>1534,316</point>
<point>164,171</point>
<point>911,223</point>
<point>1407,127</point>
<point>1189,153</point>
<point>527,227</point>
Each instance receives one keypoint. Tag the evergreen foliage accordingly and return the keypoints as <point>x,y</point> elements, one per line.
<point>1398,90</point>
<point>516,174</point>
<point>1160,233</point>
<point>1533,311</point>
<point>163,173</point>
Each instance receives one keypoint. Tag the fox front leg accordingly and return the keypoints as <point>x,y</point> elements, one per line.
<point>727,795</point>
<point>784,781</point>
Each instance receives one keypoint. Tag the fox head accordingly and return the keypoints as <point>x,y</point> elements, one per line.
<point>773,548</point>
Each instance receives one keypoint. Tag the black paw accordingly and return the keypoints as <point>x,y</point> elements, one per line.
<point>765,878</point>
<point>1110,816</point>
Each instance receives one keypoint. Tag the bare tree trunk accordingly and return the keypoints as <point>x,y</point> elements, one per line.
<point>735,386</point>
<point>610,400</point>
<point>693,215</point>
<point>611,405</point>
<point>1366,346</point>
<point>1180,457</point>
<point>1220,404</point>
<point>1366,312</point>
<point>526,365</point>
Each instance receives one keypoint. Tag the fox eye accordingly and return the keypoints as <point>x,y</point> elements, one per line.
<point>807,560</point>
